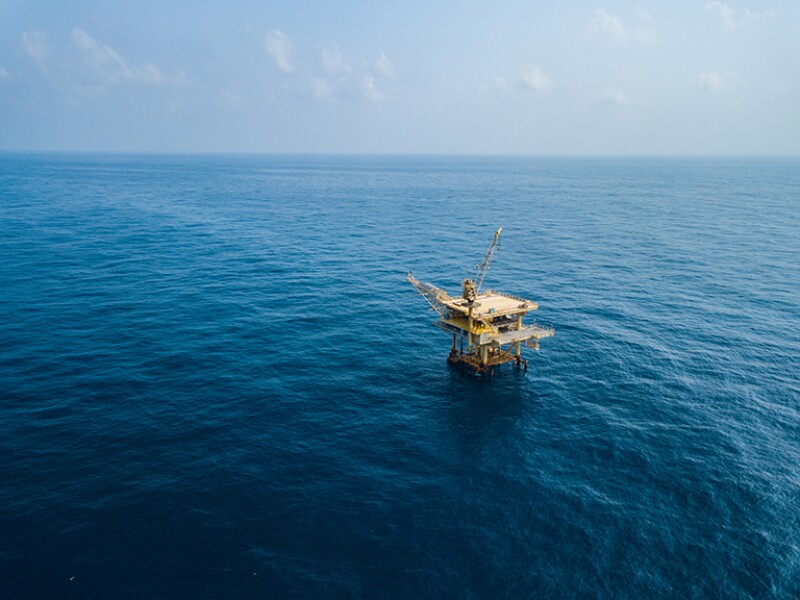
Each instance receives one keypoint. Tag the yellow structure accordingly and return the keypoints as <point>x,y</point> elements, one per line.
<point>489,322</point>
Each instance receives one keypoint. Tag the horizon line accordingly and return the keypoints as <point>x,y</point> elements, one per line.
<point>388,154</point>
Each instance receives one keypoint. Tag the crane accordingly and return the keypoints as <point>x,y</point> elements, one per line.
<point>471,289</point>
<point>483,267</point>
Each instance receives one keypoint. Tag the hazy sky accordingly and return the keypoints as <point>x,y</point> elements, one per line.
<point>534,77</point>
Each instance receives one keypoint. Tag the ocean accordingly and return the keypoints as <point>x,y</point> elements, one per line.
<point>215,381</point>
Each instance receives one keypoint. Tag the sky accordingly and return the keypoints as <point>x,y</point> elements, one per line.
<point>666,77</point>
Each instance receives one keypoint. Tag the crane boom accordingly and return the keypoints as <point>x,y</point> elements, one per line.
<point>434,295</point>
<point>487,259</point>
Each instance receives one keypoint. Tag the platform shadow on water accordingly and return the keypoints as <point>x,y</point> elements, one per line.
<point>486,413</point>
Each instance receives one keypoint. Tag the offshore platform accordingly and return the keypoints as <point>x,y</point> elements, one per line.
<point>489,322</point>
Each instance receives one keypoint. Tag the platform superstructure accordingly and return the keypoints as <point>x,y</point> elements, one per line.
<point>487,326</point>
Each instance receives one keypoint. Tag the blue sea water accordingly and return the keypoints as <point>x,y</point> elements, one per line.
<point>216,383</point>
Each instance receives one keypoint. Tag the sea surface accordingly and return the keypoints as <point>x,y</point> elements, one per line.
<point>215,381</point>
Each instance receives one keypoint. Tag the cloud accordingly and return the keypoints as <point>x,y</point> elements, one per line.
<point>718,82</point>
<point>383,66</point>
<point>342,80</point>
<point>174,105</point>
<point>613,96</point>
<point>501,83</point>
<point>609,26</point>
<point>4,74</point>
<point>233,99</point>
<point>529,78</point>
<point>727,17</point>
<point>321,87</point>
<point>334,77</point>
<point>723,12</point>
<point>611,29</point>
<point>34,43</point>
<point>367,83</point>
<point>279,47</point>
<point>333,61</point>
<point>533,78</point>
<point>714,82</point>
<point>112,69</point>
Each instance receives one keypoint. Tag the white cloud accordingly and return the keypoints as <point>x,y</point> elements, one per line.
<point>723,12</point>
<point>368,88</point>
<point>611,29</point>
<point>613,96</point>
<point>719,82</point>
<point>498,85</point>
<point>322,89</point>
<point>383,66</point>
<point>112,69</point>
<point>334,78</point>
<point>342,80</point>
<point>333,61</point>
<point>529,78</point>
<point>533,78</point>
<point>729,19</point>
<point>710,82</point>
<point>232,99</point>
<point>35,45</point>
<point>4,74</point>
<point>502,84</point>
<point>174,105</point>
<point>608,25</point>
<point>279,47</point>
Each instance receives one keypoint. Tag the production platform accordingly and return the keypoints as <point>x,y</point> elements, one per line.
<point>489,322</point>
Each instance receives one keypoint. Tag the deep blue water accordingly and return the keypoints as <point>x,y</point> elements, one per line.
<point>216,383</point>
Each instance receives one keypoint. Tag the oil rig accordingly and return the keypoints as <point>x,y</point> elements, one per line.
<point>490,322</point>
